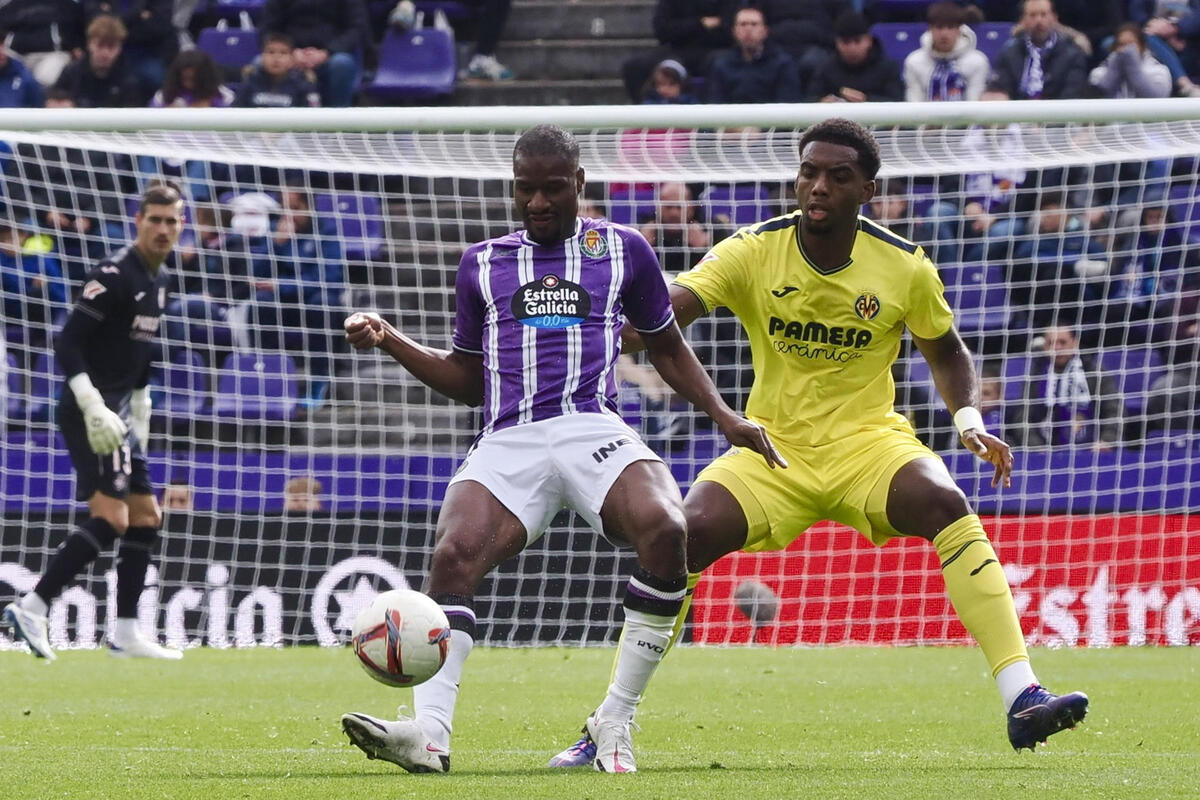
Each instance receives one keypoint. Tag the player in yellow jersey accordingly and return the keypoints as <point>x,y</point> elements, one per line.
<point>824,295</point>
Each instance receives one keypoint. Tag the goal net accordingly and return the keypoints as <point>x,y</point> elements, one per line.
<point>300,478</point>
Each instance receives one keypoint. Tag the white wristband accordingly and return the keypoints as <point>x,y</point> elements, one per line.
<point>968,418</point>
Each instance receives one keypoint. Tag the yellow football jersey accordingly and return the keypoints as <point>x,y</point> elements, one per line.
<point>823,342</point>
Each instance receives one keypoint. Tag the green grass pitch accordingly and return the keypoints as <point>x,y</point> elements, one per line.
<point>741,723</point>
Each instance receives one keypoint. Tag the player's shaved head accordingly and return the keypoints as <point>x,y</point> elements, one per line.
<point>547,140</point>
<point>850,134</point>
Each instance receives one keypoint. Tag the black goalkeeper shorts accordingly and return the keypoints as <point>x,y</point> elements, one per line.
<point>118,474</point>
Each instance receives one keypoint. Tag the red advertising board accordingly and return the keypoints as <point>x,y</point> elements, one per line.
<point>1076,581</point>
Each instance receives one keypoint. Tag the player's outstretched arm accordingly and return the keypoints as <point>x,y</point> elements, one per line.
<point>678,366</point>
<point>455,374</point>
<point>954,375</point>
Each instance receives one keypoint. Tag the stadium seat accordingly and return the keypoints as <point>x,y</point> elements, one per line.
<point>184,388</point>
<point>256,386</point>
<point>990,37</point>
<point>414,64</point>
<point>898,39</point>
<point>231,48</point>
<point>739,204</point>
<point>1016,373</point>
<point>978,293</point>
<point>45,386</point>
<point>14,382</point>
<point>629,205</point>
<point>1134,369</point>
<point>358,221</point>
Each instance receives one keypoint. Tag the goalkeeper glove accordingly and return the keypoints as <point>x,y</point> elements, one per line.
<point>105,428</point>
<point>139,407</point>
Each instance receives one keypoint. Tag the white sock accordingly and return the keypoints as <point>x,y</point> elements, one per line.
<point>34,604</point>
<point>434,699</point>
<point>125,629</point>
<point>644,641</point>
<point>1014,679</point>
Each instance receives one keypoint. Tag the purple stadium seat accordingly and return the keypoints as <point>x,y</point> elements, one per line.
<point>740,204</point>
<point>1134,369</point>
<point>14,403</point>
<point>978,293</point>
<point>184,387</point>
<point>256,386</point>
<point>990,37</point>
<point>414,64</point>
<point>626,208</point>
<point>359,220</point>
<point>45,386</point>
<point>231,48</point>
<point>898,39</point>
<point>1016,373</point>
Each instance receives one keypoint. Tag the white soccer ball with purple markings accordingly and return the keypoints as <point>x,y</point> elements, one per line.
<point>401,638</point>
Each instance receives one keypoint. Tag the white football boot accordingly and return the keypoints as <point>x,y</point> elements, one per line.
<point>401,742</point>
<point>614,744</point>
<point>138,646</point>
<point>30,628</point>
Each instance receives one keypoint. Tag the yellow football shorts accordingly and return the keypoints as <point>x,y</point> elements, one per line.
<point>846,481</point>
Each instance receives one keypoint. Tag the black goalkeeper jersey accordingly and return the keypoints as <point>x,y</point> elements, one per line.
<point>110,332</point>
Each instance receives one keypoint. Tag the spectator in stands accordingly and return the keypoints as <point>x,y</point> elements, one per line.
<point>1130,69</point>
<point>275,82</point>
<point>193,81</point>
<point>1040,62</point>
<point>1091,21</point>
<point>947,66</point>
<point>46,34</point>
<point>890,208</point>
<point>676,233</point>
<point>1067,399</point>
<point>692,32</point>
<point>101,79</point>
<point>1173,35</point>
<point>859,70</point>
<point>668,85</point>
<point>33,283</point>
<point>977,215</point>
<point>1052,269</point>
<point>151,43</point>
<point>302,494</point>
<point>177,495</point>
<point>18,87</point>
<point>753,71</point>
<point>73,194</point>
<point>804,30</point>
<point>488,24</point>
<point>1174,399</point>
<point>298,284</point>
<point>329,39</point>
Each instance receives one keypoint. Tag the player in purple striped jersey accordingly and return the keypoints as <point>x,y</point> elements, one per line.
<point>536,339</point>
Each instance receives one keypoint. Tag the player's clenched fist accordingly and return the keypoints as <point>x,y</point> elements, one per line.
<point>364,330</point>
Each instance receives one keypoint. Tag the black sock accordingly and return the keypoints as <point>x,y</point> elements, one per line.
<point>133,559</point>
<point>80,549</point>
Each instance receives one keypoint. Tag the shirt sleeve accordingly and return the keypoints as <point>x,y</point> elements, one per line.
<point>645,302</point>
<point>718,278</point>
<point>99,296</point>
<point>929,315</point>
<point>469,306</point>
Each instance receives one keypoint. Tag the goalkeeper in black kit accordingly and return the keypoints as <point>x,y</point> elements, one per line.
<point>105,349</point>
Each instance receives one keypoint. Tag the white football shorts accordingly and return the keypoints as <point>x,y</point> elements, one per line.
<point>537,469</point>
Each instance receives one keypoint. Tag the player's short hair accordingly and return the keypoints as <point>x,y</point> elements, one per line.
<point>547,140</point>
<point>851,134</point>
<point>161,192</point>
<point>277,37</point>
<point>107,28</point>
<point>945,15</point>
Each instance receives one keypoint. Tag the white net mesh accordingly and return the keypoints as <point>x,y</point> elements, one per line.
<point>1040,231</point>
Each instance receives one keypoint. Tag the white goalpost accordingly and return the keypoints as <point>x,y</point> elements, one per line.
<point>300,478</point>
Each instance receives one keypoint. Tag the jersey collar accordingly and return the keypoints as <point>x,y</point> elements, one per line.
<point>812,264</point>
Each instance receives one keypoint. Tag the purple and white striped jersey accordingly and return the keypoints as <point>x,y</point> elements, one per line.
<point>547,320</point>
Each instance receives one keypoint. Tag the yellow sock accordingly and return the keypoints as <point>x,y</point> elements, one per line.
<point>692,579</point>
<point>979,591</point>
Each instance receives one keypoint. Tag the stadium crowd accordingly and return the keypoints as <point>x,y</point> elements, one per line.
<point>1069,268</point>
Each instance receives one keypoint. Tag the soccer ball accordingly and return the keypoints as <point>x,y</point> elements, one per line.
<point>401,638</point>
